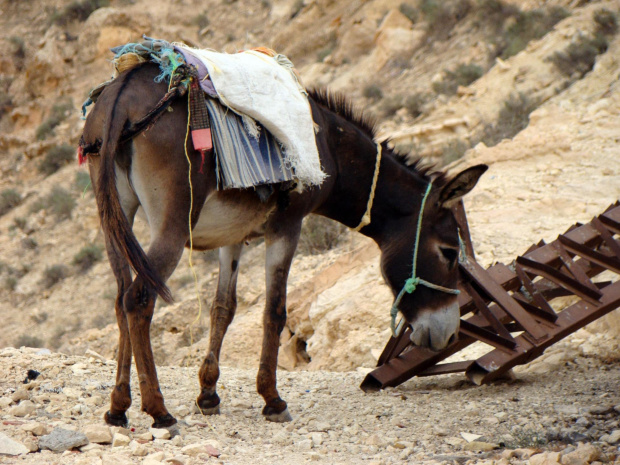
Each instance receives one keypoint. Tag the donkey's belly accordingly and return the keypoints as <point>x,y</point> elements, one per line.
<point>227,219</point>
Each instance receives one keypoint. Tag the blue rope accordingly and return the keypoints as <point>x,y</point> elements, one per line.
<point>412,283</point>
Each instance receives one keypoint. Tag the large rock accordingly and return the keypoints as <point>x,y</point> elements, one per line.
<point>10,447</point>
<point>109,27</point>
<point>99,434</point>
<point>62,439</point>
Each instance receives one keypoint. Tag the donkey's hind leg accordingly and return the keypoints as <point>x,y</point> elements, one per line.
<point>164,254</point>
<point>121,395</point>
<point>281,247</point>
<point>222,313</point>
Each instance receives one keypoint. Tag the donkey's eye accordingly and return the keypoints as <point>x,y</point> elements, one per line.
<point>450,254</point>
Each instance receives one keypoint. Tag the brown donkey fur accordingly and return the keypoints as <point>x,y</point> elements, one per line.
<point>151,171</point>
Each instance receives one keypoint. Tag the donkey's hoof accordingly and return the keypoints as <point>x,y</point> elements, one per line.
<point>165,421</point>
<point>210,410</point>
<point>281,417</point>
<point>116,419</point>
<point>208,404</point>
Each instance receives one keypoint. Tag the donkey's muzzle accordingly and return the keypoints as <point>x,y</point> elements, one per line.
<point>436,329</point>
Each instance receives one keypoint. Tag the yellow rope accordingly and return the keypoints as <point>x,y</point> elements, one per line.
<point>366,218</point>
<point>189,224</point>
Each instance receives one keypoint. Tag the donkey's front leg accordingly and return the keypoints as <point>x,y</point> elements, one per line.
<point>222,313</point>
<point>280,251</point>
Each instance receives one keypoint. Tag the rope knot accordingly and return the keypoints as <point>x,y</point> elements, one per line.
<point>411,284</point>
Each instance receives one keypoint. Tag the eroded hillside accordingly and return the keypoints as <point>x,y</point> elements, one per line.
<point>532,88</point>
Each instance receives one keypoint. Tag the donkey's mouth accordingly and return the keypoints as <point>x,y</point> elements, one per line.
<point>436,329</point>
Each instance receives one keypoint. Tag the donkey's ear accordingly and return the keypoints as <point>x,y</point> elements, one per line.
<point>460,185</point>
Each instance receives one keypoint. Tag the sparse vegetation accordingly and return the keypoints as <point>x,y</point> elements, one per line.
<point>606,21</point>
<point>82,182</point>
<point>55,158</point>
<point>61,203</point>
<point>9,199</point>
<point>27,340</point>
<point>77,11</point>
<point>442,16</point>
<point>453,150</point>
<point>53,274</point>
<point>530,25</point>
<point>18,51</point>
<point>512,119</point>
<point>10,283</point>
<point>201,21</point>
<point>29,243</point>
<point>58,114</point>
<point>319,234</point>
<point>20,222</point>
<point>324,52</point>
<point>463,75</point>
<point>390,105</point>
<point>414,104</point>
<point>372,92</point>
<point>580,56</point>
<point>88,256</point>
<point>410,11</point>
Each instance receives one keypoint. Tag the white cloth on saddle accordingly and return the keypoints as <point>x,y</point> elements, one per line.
<point>256,85</point>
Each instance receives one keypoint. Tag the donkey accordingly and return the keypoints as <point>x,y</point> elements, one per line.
<point>152,170</point>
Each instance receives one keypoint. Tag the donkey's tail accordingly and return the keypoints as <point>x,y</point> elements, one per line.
<point>113,220</point>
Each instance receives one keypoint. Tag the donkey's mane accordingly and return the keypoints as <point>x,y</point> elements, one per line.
<point>339,104</point>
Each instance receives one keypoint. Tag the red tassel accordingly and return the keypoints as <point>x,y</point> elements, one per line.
<point>81,157</point>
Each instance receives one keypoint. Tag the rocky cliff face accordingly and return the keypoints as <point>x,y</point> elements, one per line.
<point>411,63</point>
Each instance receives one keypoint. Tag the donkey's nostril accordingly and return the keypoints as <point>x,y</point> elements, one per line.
<point>453,339</point>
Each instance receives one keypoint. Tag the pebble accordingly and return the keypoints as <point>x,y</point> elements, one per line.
<point>120,440</point>
<point>160,433</point>
<point>304,444</point>
<point>61,439</point>
<point>137,449</point>
<point>585,453</point>
<point>613,437</point>
<point>9,446</point>
<point>24,408</point>
<point>20,394</point>
<point>479,446</point>
<point>98,433</point>
<point>36,428</point>
<point>193,449</point>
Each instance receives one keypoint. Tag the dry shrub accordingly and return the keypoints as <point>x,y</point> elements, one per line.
<point>530,25</point>
<point>88,256</point>
<point>463,75</point>
<point>27,340</point>
<point>9,199</point>
<point>580,56</point>
<point>606,22</point>
<point>77,11</point>
<point>55,158</point>
<point>512,119</point>
<point>443,15</point>
<point>372,92</point>
<point>319,234</point>
<point>57,115</point>
<point>54,274</point>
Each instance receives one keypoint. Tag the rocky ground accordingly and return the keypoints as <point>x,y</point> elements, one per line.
<point>562,409</point>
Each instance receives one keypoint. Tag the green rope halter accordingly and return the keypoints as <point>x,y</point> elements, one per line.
<point>412,283</point>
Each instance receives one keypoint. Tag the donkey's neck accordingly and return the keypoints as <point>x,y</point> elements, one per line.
<point>394,196</point>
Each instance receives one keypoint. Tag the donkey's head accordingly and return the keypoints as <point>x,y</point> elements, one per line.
<point>432,312</point>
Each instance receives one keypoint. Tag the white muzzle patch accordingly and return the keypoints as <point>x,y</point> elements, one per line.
<point>435,328</point>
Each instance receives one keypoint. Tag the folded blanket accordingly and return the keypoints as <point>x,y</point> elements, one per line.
<point>242,160</point>
<point>257,86</point>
